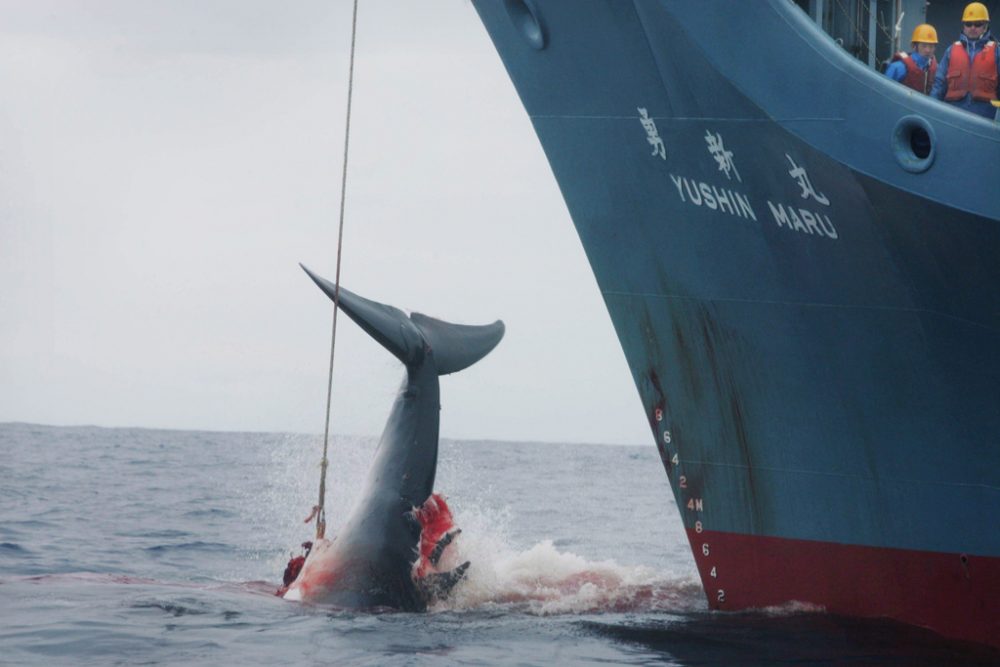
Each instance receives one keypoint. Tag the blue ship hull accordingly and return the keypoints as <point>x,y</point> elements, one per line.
<point>800,259</point>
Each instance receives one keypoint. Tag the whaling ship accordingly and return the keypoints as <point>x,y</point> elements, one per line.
<point>801,259</point>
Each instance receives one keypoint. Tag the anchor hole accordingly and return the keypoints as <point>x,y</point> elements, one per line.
<point>913,144</point>
<point>526,19</point>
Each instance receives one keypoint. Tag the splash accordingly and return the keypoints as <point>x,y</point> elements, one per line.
<point>275,510</point>
<point>545,581</point>
<point>504,575</point>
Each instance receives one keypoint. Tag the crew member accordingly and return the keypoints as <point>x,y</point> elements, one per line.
<point>917,69</point>
<point>970,70</point>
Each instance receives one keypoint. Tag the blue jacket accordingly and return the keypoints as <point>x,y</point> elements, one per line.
<point>897,70</point>
<point>940,88</point>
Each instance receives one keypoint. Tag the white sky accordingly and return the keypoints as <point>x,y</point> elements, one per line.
<point>165,165</point>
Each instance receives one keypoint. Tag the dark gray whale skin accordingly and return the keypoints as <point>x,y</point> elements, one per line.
<point>370,562</point>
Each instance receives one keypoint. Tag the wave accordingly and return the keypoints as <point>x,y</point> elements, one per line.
<point>158,534</point>
<point>13,549</point>
<point>209,512</point>
<point>190,546</point>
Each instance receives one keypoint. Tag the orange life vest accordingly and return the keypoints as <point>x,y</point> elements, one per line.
<point>978,77</point>
<point>918,79</point>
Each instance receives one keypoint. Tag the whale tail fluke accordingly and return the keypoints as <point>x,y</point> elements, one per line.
<point>455,346</point>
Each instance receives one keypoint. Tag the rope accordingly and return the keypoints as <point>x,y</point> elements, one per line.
<point>324,462</point>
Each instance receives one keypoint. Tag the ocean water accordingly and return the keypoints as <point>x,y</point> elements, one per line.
<point>141,547</point>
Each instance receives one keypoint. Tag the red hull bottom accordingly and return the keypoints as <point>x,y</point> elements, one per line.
<point>955,595</point>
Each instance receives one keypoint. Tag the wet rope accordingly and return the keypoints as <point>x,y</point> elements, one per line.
<point>320,509</point>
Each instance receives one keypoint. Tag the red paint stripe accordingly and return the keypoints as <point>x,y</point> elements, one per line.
<point>940,591</point>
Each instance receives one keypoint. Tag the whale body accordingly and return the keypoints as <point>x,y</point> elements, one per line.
<point>386,554</point>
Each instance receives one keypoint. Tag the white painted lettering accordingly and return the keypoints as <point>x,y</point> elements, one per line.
<point>706,193</point>
<point>699,193</point>
<point>780,217</point>
<point>810,221</point>
<point>796,221</point>
<point>802,220</point>
<point>677,183</point>
<point>724,201</point>
<point>693,194</point>
<point>745,206</point>
<point>827,225</point>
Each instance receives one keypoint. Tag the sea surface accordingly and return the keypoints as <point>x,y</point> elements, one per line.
<point>143,547</point>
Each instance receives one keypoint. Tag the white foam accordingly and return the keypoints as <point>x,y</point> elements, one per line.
<point>538,579</point>
<point>793,608</point>
<point>543,580</point>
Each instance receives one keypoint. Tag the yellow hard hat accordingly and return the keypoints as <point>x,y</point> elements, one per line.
<point>975,11</point>
<point>925,34</point>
